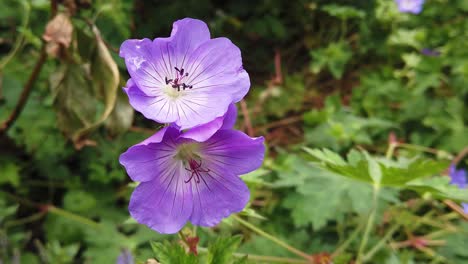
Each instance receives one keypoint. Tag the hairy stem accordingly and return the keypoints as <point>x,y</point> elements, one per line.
<point>369,225</point>
<point>277,241</point>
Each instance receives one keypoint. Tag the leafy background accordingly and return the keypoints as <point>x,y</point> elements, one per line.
<point>360,125</point>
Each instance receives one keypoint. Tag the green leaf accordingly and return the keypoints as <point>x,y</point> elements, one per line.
<point>172,253</point>
<point>121,118</point>
<point>335,56</point>
<point>439,187</point>
<point>222,249</point>
<point>392,173</point>
<point>79,201</point>
<point>343,12</point>
<point>10,172</point>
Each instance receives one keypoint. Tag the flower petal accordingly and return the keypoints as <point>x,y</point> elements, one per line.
<point>219,194</point>
<point>145,64</point>
<point>160,109</point>
<point>234,150</point>
<point>187,35</point>
<point>148,159</point>
<point>217,65</point>
<point>165,203</point>
<point>203,132</point>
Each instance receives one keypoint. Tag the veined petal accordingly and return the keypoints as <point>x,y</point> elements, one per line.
<point>187,35</point>
<point>217,65</point>
<point>234,151</point>
<point>149,159</point>
<point>201,108</point>
<point>145,64</point>
<point>219,194</point>
<point>165,203</point>
<point>203,132</point>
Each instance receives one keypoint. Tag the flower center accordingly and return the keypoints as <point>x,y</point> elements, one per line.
<point>188,154</point>
<point>178,82</point>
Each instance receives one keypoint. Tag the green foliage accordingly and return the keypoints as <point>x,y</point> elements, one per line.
<point>172,253</point>
<point>334,58</point>
<point>221,250</point>
<point>360,166</point>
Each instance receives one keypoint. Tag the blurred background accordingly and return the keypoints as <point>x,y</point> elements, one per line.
<point>336,74</point>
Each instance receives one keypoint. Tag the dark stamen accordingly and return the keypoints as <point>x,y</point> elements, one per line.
<point>196,170</point>
<point>177,83</point>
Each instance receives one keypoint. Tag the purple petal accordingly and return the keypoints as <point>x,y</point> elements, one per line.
<point>165,203</point>
<point>410,6</point>
<point>203,132</point>
<point>187,35</point>
<point>458,177</point>
<point>465,207</point>
<point>156,108</point>
<point>125,257</point>
<point>144,65</point>
<point>146,160</point>
<point>234,150</point>
<point>230,117</point>
<point>217,65</point>
<point>219,194</point>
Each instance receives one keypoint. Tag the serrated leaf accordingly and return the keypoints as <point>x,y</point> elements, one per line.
<point>172,253</point>
<point>222,249</point>
<point>439,187</point>
<point>393,173</point>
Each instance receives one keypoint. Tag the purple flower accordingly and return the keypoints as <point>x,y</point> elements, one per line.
<point>191,176</point>
<point>125,257</point>
<point>458,177</point>
<point>410,6</point>
<point>188,78</point>
<point>430,52</point>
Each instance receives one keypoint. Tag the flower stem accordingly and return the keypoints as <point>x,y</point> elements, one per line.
<point>274,239</point>
<point>72,216</point>
<point>369,225</point>
<point>381,243</point>
<point>268,259</point>
<point>348,241</point>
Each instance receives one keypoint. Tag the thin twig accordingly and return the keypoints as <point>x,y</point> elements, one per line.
<point>456,208</point>
<point>25,93</point>
<point>272,238</point>
<point>248,123</point>
<point>282,122</point>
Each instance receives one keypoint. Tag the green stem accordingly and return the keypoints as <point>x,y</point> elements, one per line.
<point>348,241</point>
<point>72,216</point>
<point>260,258</point>
<point>25,220</point>
<point>369,225</point>
<point>390,150</point>
<point>381,243</point>
<point>424,149</point>
<point>274,239</point>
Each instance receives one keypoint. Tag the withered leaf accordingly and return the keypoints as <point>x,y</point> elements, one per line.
<point>58,34</point>
<point>85,92</point>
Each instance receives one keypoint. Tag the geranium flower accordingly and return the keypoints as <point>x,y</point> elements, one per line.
<point>125,257</point>
<point>410,6</point>
<point>191,176</point>
<point>188,78</point>
<point>458,177</point>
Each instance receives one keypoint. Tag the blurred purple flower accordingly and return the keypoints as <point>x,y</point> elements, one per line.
<point>410,6</point>
<point>430,52</point>
<point>191,176</point>
<point>458,177</point>
<point>188,78</point>
<point>125,257</point>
